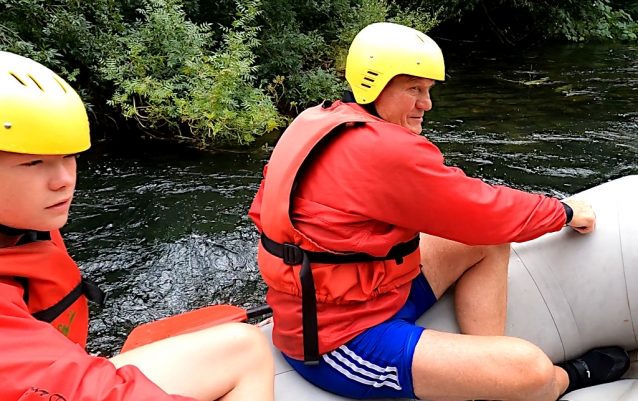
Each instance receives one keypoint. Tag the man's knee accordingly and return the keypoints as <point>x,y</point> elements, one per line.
<point>535,371</point>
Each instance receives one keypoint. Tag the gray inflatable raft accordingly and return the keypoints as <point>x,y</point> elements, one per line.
<point>567,293</point>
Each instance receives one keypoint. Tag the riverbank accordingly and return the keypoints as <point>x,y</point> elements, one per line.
<point>225,72</point>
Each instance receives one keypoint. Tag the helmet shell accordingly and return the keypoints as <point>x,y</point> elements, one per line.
<point>39,112</point>
<point>384,50</point>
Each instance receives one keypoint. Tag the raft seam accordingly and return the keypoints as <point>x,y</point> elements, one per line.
<point>562,343</point>
<point>624,272</point>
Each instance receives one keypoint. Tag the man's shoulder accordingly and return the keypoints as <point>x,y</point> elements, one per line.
<point>382,132</point>
<point>384,139</point>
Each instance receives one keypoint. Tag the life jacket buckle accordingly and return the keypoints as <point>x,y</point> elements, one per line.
<point>292,254</point>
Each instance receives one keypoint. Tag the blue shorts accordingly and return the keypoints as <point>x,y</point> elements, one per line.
<point>378,362</point>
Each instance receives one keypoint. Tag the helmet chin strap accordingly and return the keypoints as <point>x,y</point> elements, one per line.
<point>14,232</point>
<point>370,108</point>
<point>348,97</point>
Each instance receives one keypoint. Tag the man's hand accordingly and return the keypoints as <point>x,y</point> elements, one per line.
<point>584,220</point>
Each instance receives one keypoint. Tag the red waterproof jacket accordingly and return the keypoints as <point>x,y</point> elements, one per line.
<point>41,361</point>
<point>365,188</point>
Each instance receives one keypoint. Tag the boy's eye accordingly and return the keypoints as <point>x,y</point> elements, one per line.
<point>31,163</point>
<point>74,155</point>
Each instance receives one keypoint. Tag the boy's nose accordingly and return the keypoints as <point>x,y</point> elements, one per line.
<point>63,176</point>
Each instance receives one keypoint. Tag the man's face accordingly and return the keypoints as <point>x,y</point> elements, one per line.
<point>404,100</point>
<point>36,190</point>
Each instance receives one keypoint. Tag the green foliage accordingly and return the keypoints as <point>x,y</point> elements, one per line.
<point>371,11</point>
<point>512,20</point>
<point>296,38</point>
<point>598,21</point>
<point>311,87</point>
<point>69,37</point>
<point>294,55</point>
<point>167,74</point>
<point>306,42</point>
<point>213,71</point>
<point>59,34</point>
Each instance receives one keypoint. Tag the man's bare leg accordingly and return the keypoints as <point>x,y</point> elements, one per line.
<point>455,367</point>
<point>231,362</point>
<point>480,273</point>
<point>460,367</point>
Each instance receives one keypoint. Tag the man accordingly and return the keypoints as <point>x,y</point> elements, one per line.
<point>364,228</point>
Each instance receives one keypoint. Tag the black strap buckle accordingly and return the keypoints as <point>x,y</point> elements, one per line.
<point>93,292</point>
<point>292,254</point>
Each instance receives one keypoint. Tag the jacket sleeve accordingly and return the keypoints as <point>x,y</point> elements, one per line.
<point>38,363</point>
<point>420,192</point>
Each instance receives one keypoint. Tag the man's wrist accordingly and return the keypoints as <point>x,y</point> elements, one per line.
<point>569,213</point>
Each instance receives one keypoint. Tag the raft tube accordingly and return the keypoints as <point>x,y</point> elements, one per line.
<point>567,293</point>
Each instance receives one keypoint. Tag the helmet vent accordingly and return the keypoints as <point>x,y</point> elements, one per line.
<point>373,73</point>
<point>17,79</point>
<point>368,79</point>
<point>365,85</point>
<point>60,83</point>
<point>35,82</point>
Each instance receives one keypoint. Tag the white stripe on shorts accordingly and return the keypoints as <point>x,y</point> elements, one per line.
<point>387,377</point>
<point>367,364</point>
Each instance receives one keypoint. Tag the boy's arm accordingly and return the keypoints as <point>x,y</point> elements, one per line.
<point>39,364</point>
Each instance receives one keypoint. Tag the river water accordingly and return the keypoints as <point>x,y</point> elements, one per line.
<point>164,228</point>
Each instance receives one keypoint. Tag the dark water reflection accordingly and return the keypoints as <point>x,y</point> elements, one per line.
<point>555,119</point>
<point>165,230</point>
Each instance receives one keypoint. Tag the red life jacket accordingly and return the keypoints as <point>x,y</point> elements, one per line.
<point>287,257</point>
<point>54,290</point>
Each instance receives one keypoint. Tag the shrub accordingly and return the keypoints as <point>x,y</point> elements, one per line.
<point>168,74</point>
<point>306,43</point>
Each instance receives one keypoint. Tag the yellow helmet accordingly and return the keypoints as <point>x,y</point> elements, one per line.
<point>39,112</point>
<point>384,50</point>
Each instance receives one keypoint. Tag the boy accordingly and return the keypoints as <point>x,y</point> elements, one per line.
<point>43,298</point>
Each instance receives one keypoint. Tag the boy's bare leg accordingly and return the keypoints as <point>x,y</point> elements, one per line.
<point>231,362</point>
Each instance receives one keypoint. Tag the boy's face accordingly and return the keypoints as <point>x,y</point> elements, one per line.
<point>36,190</point>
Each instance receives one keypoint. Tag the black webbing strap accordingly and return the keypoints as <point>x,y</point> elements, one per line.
<point>86,287</point>
<point>93,293</point>
<point>24,282</point>
<point>309,314</point>
<point>13,232</point>
<point>49,314</point>
<point>293,255</point>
